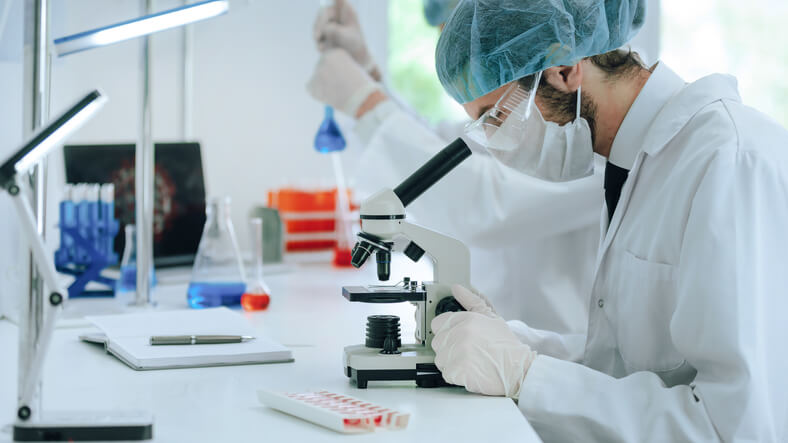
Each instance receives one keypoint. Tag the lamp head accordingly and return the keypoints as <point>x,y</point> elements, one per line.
<point>50,136</point>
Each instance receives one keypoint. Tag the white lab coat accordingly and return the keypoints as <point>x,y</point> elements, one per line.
<point>532,242</point>
<point>687,330</point>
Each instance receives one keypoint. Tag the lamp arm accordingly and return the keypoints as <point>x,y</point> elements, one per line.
<point>46,268</point>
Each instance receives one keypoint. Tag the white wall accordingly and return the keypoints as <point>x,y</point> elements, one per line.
<point>647,40</point>
<point>13,262</point>
<point>252,113</point>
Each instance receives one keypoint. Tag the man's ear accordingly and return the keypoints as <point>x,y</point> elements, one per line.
<point>565,78</point>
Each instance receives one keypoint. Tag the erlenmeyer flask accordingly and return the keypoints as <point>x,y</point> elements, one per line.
<point>218,274</point>
<point>257,295</point>
<point>127,283</point>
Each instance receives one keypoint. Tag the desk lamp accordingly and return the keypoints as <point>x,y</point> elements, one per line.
<point>139,27</point>
<point>33,425</point>
<point>144,160</point>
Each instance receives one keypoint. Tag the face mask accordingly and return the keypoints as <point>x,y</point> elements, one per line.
<point>516,134</point>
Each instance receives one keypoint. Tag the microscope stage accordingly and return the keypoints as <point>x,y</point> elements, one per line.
<point>385,294</point>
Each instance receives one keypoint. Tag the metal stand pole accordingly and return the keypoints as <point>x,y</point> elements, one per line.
<point>145,176</point>
<point>187,94</point>
<point>36,113</point>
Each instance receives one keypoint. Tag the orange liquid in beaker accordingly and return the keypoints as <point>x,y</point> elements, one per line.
<point>255,302</point>
<point>342,257</point>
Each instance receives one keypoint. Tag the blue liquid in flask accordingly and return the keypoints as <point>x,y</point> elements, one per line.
<point>128,279</point>
<point>213,294</point>
<point>329,138</point>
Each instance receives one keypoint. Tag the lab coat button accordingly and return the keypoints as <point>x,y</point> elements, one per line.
<point>601,303</point>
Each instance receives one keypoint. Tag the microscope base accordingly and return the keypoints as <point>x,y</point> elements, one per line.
<point>87,426</point>
<point>414,362</point>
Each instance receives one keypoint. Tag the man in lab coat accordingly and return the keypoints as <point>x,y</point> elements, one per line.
<point>686,330</point>
<point>532,242</point>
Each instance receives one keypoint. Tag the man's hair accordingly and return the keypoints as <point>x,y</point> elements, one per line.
<point>618,63</point>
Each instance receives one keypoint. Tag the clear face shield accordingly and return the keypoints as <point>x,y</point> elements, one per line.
<point>516,134</point>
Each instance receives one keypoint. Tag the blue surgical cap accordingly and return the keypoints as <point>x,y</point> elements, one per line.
<point>488,43</point>
<point>438,11</point>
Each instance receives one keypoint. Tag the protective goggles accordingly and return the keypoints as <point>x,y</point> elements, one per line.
<point>513,108</point>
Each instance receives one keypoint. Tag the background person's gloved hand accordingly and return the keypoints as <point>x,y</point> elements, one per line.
<point>337,26</point>
<point>340,82</point>
<point>476,348</point>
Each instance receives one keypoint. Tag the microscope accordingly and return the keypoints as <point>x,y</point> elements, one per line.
<point>383,356</point>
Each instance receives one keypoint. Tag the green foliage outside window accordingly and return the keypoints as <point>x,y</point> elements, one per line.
<point>745,39</point>
<point>411,64</point>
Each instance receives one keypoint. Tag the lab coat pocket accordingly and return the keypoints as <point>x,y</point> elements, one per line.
<point>646,300</point>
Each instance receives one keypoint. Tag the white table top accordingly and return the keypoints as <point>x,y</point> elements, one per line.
<point>308,314</point>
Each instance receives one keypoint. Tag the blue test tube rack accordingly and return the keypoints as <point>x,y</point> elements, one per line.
<point>87,233</point>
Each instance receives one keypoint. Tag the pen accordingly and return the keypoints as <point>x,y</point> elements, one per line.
<point>198,339</point>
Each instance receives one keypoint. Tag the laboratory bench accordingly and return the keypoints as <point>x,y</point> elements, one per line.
<point>219,404</point>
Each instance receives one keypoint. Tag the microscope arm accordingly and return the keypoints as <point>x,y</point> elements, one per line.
<point>450,257</point>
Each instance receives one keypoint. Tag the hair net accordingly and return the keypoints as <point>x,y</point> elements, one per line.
<point>438,11</point>
<point>488,43</point>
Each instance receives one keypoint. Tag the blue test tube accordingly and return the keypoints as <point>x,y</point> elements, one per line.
<point>80,218</point>
<point>94,226</point>
<point>108,220</point>
<point>67,220</point>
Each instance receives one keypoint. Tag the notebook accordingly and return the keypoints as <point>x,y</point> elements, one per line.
<point>127,337</point>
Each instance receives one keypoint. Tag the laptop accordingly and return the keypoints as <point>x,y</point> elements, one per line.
<point>179,193</point>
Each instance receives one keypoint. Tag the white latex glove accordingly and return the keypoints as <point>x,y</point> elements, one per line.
<point>476,349</point>
<point>340,82</point>
<point>473,300</point>
<point>337,26</point>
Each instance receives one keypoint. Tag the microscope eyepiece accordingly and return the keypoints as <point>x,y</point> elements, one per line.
<point>432,171</point>
<point>384,264</point>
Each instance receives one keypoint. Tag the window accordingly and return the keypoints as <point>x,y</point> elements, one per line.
<point>411,64</point>
<point>745,39</point>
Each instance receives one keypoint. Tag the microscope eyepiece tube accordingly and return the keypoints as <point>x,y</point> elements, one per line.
<point>432,171</point>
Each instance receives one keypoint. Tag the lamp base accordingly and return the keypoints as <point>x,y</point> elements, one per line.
<point>87,426</point>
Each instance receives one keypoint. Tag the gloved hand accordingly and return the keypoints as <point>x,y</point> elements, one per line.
<point>337,26</point>
<point>473,300</point>
<point>476,349</point>
<point>340,82</point>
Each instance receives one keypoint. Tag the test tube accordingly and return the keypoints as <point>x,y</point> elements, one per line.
<point>81,206</point>
<point>67,220</point>
<point>94,226</point>
<point>107,218</point>
<point>344,228</point>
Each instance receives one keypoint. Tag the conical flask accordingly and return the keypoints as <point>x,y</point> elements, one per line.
<point>218,275</point>
<point>127,283</point>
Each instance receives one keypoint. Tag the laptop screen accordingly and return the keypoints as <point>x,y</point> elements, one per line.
<point>179,193</point>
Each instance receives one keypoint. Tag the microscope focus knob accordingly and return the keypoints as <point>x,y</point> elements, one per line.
<point>448,304</point>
